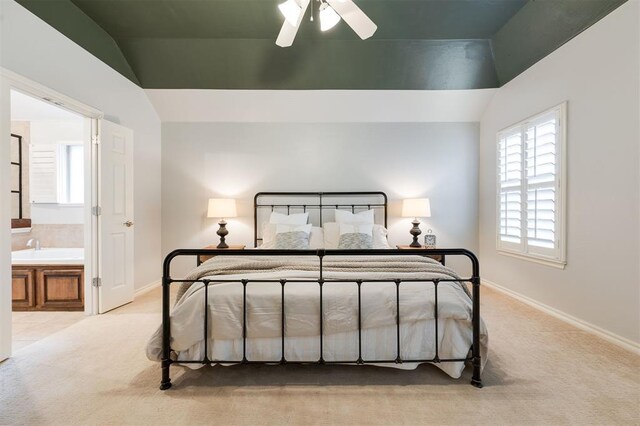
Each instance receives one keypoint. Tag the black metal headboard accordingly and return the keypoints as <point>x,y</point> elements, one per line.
<point>315,203</point>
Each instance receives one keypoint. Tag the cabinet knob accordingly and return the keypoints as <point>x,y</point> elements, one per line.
<point>128,224</point>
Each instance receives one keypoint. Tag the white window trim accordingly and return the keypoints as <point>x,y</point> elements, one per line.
<point>519,250</point>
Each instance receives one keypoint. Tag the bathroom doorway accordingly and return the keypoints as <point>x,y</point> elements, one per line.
<point>49,159</point>
<point>89,172</point>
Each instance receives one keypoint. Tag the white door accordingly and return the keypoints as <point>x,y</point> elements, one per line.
<point>115,221</point>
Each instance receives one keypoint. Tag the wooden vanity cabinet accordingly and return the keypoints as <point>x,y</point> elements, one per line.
<point>48,287</point>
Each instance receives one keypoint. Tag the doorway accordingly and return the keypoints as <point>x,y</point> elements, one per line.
<point>47,217</point>
<point>92,180</point>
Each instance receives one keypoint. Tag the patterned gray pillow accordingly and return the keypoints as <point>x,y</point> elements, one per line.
<point>354,241</point>
<point>296,240</point>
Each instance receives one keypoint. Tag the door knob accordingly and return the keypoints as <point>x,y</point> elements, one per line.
<point>128,224</point>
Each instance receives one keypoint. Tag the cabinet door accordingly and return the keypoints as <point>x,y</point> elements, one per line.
<point>22,289</point>
<point>61,289</point>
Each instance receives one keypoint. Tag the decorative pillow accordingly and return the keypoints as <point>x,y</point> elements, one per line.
<point>332,236</point>
<point>289,219</point>
<point>356,236</point>
<point>343,216</point>
<point>316,237</point>
<point>291,237</point>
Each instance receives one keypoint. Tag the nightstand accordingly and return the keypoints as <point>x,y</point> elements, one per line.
<point>439,257</point>
<point>204,257</point>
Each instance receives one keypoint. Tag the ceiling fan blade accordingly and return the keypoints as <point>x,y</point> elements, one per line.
<point>352,15</point>
<point>288,32</point>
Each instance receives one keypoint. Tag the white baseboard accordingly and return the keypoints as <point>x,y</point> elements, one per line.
<point>576,322</point>
<point>147,288</point>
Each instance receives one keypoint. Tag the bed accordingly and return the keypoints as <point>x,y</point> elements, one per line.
<point>321,305</point>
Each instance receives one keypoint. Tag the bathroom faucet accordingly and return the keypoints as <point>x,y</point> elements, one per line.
<point>31,241</point>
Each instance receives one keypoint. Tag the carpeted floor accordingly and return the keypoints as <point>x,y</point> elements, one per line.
<point>29,327</point>
<point>540,371</point>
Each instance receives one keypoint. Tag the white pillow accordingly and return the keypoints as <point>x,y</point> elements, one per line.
<point>289,219</point>
<point>281,229</point>
<point>356,228</point>
<point>316,239</point>
<point>343,216</point>
<point>332,236</point>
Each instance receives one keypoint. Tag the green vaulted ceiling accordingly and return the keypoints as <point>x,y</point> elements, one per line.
<point>229,44</point>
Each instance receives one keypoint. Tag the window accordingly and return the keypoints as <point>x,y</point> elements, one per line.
<point>531,187</point>
<point>71,174</point>
<point>56,173</point>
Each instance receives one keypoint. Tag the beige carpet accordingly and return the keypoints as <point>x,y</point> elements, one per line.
<point>540,371</point>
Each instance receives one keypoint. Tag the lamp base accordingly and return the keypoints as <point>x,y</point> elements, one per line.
<point>222,232</point>
<point>415,231</point>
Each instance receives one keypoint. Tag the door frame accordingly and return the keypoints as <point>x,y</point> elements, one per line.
<point>12,81</point>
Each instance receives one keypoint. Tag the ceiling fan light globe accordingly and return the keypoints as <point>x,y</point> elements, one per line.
<point>328,17</point>
<point>291,11</point>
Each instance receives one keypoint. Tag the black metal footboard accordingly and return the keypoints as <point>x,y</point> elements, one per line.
<point>474,356</point>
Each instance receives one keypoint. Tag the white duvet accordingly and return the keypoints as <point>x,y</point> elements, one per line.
<point>340,320</point>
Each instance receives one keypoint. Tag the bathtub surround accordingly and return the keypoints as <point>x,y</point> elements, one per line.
<point>50,236</point>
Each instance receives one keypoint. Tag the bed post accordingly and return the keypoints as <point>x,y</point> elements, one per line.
<point>166,324</point>
<point>476,379</point>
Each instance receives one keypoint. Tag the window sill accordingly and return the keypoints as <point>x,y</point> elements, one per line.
<point>558,264</point>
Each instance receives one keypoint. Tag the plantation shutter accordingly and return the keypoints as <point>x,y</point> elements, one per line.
<point>542,178</point>
<point>530,199</point>
<point>510,164</point>
<point>43,173</point>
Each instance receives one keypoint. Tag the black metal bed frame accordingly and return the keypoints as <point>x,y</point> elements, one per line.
<point>376,200</point>
<point>474,357</point>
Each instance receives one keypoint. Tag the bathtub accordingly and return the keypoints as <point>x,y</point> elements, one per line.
<point>48,256</point>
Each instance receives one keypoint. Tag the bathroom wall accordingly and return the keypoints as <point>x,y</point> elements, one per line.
<point>58,235</point>
<point>54,225</point>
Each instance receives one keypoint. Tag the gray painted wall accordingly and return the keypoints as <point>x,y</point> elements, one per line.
<point>203,160</point>
<point>600,285</point>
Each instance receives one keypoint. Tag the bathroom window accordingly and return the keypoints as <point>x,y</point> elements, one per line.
<point>57,173</point>
<point>72,174</point>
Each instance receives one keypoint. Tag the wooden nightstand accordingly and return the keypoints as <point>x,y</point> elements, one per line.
<point>439,257</point>
<point>204,257</point>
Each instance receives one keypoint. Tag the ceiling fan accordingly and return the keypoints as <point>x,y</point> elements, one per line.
<point>331,11</point>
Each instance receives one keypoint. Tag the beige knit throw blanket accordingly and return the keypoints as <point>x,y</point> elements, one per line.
<point>333,267</point>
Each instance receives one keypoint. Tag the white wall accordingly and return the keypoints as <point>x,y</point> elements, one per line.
<point>320,106</point>
<point>53,132</point>
<point>203,160</point>
<point>597,73</point>
<point>35,50</point>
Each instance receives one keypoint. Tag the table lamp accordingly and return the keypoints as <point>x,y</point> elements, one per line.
<point>415,208</point>
<point>222,208</point>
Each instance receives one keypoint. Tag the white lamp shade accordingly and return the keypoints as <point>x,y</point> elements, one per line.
<point>291,11</point>
<point>416,207</point>
<point>328,17</point>
<point>222,207</point>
